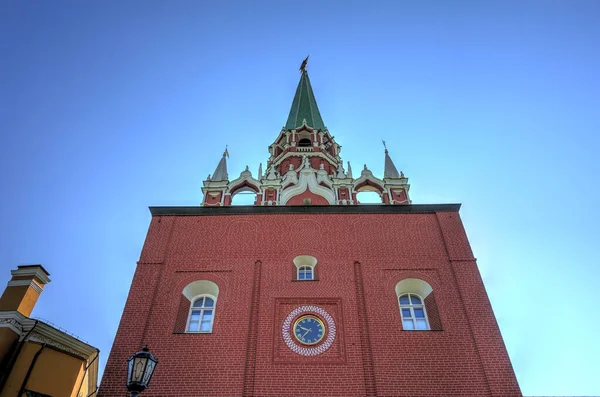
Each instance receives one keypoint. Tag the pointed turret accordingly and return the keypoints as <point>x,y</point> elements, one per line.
<point>220,173</point>
<point>215,187</point>
<point>390,170</point>
<point>304,107</point>
<point>395,182</point>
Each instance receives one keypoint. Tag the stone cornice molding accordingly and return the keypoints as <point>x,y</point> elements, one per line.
<point>342,182</point>
<point>304,209</point>
<point>214,184</point>
<point>35,271</point>
<point>325,156</point>
<point>28,283</point>
<point>13,320</point>
<point>46,333</point>
<point>401,183</point>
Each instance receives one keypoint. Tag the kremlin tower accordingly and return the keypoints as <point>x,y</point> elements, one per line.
<point>307,292</point>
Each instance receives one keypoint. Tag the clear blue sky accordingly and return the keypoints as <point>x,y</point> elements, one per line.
<point>108,107</point>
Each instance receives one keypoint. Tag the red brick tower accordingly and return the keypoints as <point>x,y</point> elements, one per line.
<point>308,292</point>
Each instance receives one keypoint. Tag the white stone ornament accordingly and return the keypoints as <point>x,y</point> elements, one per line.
<point>305,350</point>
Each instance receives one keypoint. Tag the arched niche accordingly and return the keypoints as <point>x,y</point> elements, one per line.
<point>413,286</point>
<point>200,287</point>
<point>305,260</point>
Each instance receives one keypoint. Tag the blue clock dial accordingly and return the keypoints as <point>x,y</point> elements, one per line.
<point>309,329</point>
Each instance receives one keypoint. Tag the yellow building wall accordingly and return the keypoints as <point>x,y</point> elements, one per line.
<point>55,373</point>
<point>7,338</point>
<point>21,298</point>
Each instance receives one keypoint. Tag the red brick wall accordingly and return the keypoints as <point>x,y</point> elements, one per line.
<point>315,199</point>
<point>361,257</point>
<point>433,313</point>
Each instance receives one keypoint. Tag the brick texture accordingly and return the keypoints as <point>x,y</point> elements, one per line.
<point>361,257</point>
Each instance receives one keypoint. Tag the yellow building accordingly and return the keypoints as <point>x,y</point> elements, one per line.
<point>36,358</point>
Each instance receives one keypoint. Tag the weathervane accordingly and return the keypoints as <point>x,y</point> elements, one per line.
<point>385,147</point>
<point>303,66</point>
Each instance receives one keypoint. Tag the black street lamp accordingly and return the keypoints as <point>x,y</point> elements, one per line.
<point>140,368</point>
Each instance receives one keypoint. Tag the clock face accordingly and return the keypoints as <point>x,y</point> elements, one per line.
<point>309,329</point>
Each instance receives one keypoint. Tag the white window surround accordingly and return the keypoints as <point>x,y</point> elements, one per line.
<point>419,288</point>
<point>195,290</point>
<point>305,266</point>
<point>202,312</point>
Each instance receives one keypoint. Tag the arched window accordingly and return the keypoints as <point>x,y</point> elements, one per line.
<point>201,297</point>
<point>201,314</point>
<point>305,273</point>
<point>413,312</point>
<point>304,142</point>
<point>305,267</point>
<point>418,309</point>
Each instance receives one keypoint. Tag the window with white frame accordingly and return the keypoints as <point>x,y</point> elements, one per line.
<point>202,314</point>
<point>412,310</point>
<point>306,273</point>
<point>305,267</point>
<point>202,296</point>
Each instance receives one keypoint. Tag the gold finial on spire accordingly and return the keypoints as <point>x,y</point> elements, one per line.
<point>303,66</point>
<point>226,152</point>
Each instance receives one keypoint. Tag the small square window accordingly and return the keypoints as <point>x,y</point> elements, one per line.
<point>305,273</point>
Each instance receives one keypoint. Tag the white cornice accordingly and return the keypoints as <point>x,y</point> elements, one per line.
<point>28,283</point>
<point>35,271</point>
<point>13,320</point>
<point>285,155</point>
<point>340,182</point>
<point>45,333</point>
<point>214,185</point>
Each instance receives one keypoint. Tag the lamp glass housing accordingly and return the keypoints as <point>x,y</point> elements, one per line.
<point>140,368</point>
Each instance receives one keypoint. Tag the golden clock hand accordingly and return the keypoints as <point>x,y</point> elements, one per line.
<point>307,331</point>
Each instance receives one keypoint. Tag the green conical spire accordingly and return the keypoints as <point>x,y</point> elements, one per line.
<point>304,107</point>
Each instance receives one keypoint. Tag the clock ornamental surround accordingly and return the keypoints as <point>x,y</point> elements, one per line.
<point>295,344</point>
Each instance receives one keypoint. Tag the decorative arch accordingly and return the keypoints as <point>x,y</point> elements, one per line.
<point>244,180</point>
<point>367,182</point>
<point>245,183</point>
<point>304,142</point>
